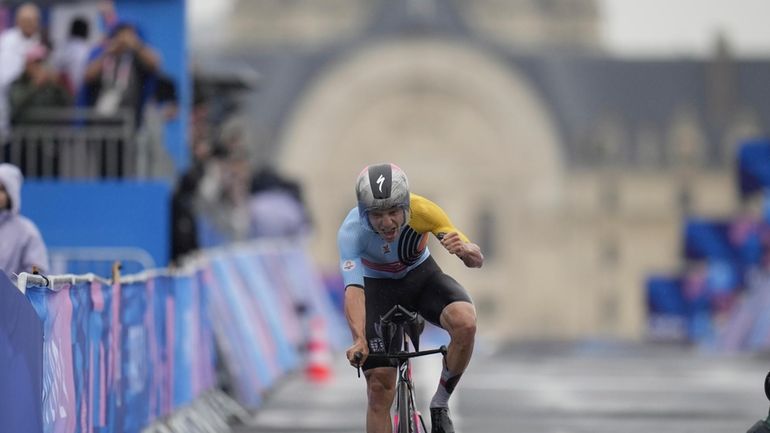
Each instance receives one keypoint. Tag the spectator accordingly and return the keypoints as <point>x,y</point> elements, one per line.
<point>166,97</point>
<point>121,73</point>
<point>37,87</point>
<point>14,45</point>
<point>184,213</point>
<point>222,201</point>
<point>153,159</point>
<point>275,206</point>
<point>71,58</point>
<point>23,249</point>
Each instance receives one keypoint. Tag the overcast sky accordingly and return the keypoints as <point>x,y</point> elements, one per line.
<point>634,27</point>
<point>630,27</point>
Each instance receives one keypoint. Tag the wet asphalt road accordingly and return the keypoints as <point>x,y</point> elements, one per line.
<point>590,387</point>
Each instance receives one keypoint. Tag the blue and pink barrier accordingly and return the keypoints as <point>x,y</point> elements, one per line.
<point>115,356</point>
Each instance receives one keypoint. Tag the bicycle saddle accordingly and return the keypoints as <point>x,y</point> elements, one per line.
<point>387,327</point>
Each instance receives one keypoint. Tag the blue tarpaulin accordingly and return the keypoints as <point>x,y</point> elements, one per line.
<point>707,239</point>
<point>664,295</point>
<point>754,166</point>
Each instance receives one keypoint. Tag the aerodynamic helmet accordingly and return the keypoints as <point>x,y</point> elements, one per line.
<point>381,187</point>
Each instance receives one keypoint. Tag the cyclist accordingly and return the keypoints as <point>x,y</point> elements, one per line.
<point>385,261</point>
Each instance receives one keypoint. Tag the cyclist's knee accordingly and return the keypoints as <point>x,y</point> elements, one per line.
<point>465,330</point>
<point>381,387</point>
<point>460,320</point>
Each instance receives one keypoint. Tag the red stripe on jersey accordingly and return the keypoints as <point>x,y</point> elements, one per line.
<point>393,267</point>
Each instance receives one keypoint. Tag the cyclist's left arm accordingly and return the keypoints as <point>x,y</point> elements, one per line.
<point>437,221</point>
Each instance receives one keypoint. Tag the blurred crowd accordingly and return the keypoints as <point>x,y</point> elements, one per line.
<point>224,196</point>
<point>720,296</point>
<point>103,65</point>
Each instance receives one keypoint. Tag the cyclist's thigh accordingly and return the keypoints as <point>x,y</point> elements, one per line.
<point>439,291</point>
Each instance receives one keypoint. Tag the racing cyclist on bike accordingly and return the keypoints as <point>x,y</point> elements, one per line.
<point>385,261</point>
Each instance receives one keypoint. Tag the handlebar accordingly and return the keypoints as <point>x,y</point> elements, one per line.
<point>400,356</point>
<point>406,355</point>
<point>357,357</point>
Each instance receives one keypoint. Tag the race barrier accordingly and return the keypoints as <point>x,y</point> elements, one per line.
<point>145,351</point>
<point>21,362</point>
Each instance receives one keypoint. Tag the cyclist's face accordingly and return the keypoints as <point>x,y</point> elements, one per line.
<point>387,222</point>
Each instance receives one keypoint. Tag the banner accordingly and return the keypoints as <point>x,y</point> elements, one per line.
<point>82,355</point>
<point>263,301</point>
<point>116,357</point>
<point>21,362</point>
<point>248,351</point>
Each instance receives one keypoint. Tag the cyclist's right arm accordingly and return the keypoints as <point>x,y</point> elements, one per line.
<point>349,244</point>
<point>355,313</point>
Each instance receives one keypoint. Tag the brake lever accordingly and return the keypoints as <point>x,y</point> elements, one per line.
<point>357,358</point>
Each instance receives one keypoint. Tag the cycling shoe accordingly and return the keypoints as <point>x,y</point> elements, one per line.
<point>440,421</point>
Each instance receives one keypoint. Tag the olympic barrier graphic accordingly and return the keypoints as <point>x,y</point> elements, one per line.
<point>21,362</point>
<point>117,356</point>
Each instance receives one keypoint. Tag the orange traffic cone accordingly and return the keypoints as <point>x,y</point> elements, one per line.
<point>319,356</point>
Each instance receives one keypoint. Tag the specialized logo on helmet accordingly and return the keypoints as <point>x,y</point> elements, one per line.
<point>382,176</point>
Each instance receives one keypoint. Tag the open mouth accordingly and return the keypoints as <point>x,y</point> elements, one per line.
<point>388,233</point>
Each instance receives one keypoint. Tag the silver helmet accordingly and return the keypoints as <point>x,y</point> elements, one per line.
<point>381,187</point>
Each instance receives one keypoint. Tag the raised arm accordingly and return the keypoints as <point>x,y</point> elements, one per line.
<point>467,251</point>
<point>428,216</point>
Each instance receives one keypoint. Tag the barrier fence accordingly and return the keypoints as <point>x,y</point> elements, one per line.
<point>123,354</point>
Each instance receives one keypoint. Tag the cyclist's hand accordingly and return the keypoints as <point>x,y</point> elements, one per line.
<point>453,243</point>
<point>468,252</point>
<point>359,347</point>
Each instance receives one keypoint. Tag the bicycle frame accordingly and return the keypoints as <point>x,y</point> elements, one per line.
<point>408,420</point>
<point>405,406</point>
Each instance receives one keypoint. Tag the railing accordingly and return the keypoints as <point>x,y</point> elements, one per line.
<point>76,143</point>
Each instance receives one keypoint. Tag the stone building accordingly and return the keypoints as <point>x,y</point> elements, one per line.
<point>571,168</point>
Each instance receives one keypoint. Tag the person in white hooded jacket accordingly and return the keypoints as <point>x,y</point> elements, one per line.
<point>21,245</point>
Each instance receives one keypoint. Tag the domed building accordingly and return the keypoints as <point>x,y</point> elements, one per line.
<point>571,168</point>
